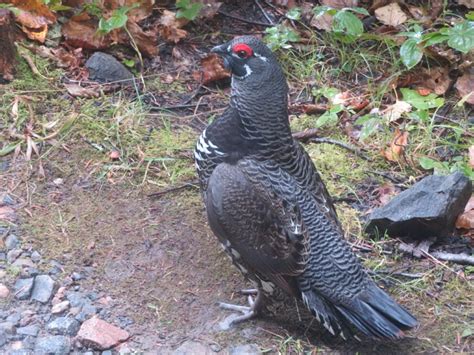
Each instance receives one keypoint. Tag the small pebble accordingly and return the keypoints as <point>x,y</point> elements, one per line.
<point>60,307</point>
<point>4,291</point>
<point>11,242</point>
<point>35,256</point>
<point>13,254</point>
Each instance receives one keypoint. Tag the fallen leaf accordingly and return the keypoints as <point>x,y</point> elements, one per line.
<point>81,32</point>
<point>146,40</point>
<point>419,13</point>
<point>397,146</point>
<point>34,17</point>
<point>423,91</point>
<point>322,22</point>
<point>471,156</point>
<point>7,214</point>
<point>309,108</point>
<point>170,27</point>
<point>79,91</point>
<point>340,4</point>
<point>210,9</point>
<point>436,79</point>
<point>466,219</point>
<point>465,87</point>
<point>391,15</point>
<point>395,111</point>
<point>468,3</point>
<point>385,193</point>
<point>213,69</point>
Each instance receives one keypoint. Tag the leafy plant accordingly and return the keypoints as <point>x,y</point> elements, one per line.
<point>459,37</point>
<point>188,9</point>
<point>118,19</point>
<point>458,163</point>
<point>280,37</point>
<point>346,26</point>
<point>370,123</point>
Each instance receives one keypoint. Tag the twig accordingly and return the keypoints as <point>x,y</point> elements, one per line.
<point>175,107</point>
<point>387,176</point>
<point>223,13</point>
<point>303,136</point>
<point>187,185</point>
<point>463,259</point>
<point>352,149</point>
<point>264,12</point>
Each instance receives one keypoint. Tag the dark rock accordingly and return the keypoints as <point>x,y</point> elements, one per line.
<point>43,288</point>
<point>11,242</point>
<point>56,344</point>
<point>76,276</point>
<point>35,256</point>
<point>31,330</point>
<point>63,326</point>
<point>13,254</point>
<point>247,349</point>
<point>427,209</point>
<point>105,68</point>
<point>23,288</point>
<point>76,299</point>
<point>87,311</point>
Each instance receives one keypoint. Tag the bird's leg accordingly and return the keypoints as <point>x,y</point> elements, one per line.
<point>249,291</point>
<point>248,312</point>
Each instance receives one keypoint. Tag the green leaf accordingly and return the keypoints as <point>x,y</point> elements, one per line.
<point>358,10</point>
<point>129,62</point>
<point>118,19</point>
<point>427,163</point>
<point>321,10</point>
<point>327,118</point>
<point>431,39</point>
<point>294,13</point>
<point>470,15</point>
<point>187,9</point>
<point>410,53</point>
<point>8,148</point>
<point>348,23</point>
<point>421,102</point>
<point>461,36</point>
<point>369,124</point>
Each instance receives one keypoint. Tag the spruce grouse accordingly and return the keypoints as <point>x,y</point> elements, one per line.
<point>269,208</point>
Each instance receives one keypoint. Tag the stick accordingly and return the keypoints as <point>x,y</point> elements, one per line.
<point>264,12</point>
<point>303,136</point>
<point>352,149</point>
<point>463,259</point>
<point>223,13</point>
<point>186,185</point>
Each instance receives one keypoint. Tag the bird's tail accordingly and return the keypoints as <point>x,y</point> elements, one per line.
<point>373,312</point>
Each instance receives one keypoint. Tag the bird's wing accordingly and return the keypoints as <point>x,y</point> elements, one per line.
<point>256,222</point>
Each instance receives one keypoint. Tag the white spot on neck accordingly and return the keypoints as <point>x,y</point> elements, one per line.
<point>248,71</point>
<point>261,57</point>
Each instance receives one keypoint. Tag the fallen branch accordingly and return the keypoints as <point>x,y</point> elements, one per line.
<point>463,259</point>
<point>187,185</point>
<point>303,136</point>
<point>264,13</point>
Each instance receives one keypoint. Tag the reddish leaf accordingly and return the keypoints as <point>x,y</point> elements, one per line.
<point>397,146</point>
<point>466,219</point>
<point>170,27</point>
<point>34,17</point>
<point>213,69</point>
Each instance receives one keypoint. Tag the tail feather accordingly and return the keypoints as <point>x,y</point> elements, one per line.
<point>374,313</point>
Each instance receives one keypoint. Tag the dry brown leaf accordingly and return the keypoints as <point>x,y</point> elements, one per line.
<point>468,3</point>
<point>170,27</point>
<point>81,32</point>
<point>146,41</point>
<point>322,22</point>
<point>397,146</point>
<point>210,9</point>
<point>465,87</point>
<point>385,193</point>
<point>79,91</point>
<point>339,4</point>
<point>418,13</point>
<point>391,15</point>
<point>471,156</point>
<point>436,79</point>
<point>34,17</point>
<point>395,111</point>
<point>466,219</point>
<point>213,69</point>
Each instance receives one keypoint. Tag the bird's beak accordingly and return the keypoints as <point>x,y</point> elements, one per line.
<point>221,50</point>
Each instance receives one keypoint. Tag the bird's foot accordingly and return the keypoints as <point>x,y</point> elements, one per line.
<point>418,249</point>
<point>248,312</point>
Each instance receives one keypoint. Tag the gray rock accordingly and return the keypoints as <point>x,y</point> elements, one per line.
<point>14,318</point>
<point>56,344</point>
<point>3,338</point>
<point>23,288</point>
<point>76,276</point>
<point>13,254</point>
<point>3,256</point>
<point>7,200</point>
<point>11,242</point>
<point>427,209</point>
<point>63,326</point>
<point>31,330</point>
<point>247,349</point>
<point>7,328</point>
<point>23,262</point>
<point>191,347</point>
<point>105,68</point>
<point>35,256</point>
<point>76,299</point>
<point>56,268</point>
<point>106,352</point>
<point>87,311</point>
<point>20,352</point>
<point>43,288</point>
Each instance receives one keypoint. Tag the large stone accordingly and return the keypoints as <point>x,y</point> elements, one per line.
<point>43,288</point>
<point>23,288</point>
<point>63,326</point>
<point>100,335</point>
<point>105,68</point>
<point>427,209</point>
<point>56,344</point>
<point>191,347</point>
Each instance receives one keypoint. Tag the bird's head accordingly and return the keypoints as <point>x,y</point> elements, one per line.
<point>248,59</point>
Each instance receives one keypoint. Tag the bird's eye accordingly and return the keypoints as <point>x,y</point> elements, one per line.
<point>242,50</point>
